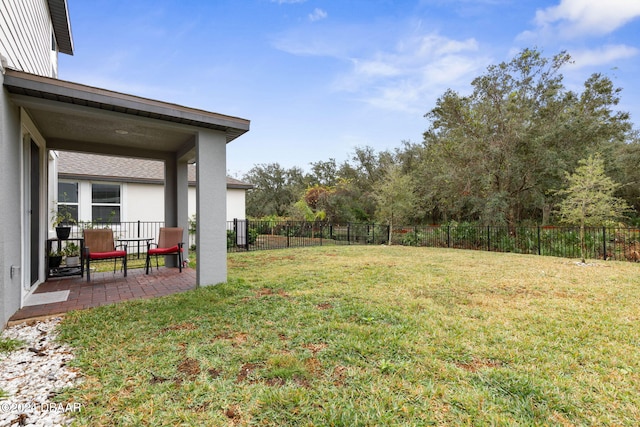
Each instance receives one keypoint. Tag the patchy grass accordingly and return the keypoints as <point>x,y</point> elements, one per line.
<point>9,344</point>
<point>364,336</point>
<point>133,261</point>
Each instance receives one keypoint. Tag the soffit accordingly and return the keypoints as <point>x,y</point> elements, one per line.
<point>68,114</point>
<point>61,25</point>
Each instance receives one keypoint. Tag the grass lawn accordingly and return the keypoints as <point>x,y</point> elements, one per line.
<point>371,336</point>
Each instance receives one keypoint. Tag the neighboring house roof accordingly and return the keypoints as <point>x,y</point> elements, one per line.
<point>72,165</point>
<point>61,25</point>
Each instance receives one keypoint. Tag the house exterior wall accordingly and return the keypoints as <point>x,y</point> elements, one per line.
<point>26,37</point>
<point>145,201</point>
<point>10,211</point>
<point>235,203</point>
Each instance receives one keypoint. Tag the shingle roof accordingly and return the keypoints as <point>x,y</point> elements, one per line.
<point>72,165</point>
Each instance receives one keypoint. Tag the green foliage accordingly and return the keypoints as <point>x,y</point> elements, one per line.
<point>9,344</point>
<point>491,157</point>
<point>231,239</point>
<point>395,197</point>
<point>589,198</point>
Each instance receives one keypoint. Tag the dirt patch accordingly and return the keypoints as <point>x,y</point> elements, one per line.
<point>157,380</point>
<point>313,366</point>
<point>324,306</point>
<point>189,367</point>
<point>214,373</point>
<point>315,347</point>
<point>268,291</point>
<point>339,375</point>
<point>477,364</point>
<point>246,370</point>
<point>185,326</point>
<point>236,339</point>
<point>233,412</point>
<point>288,257</point>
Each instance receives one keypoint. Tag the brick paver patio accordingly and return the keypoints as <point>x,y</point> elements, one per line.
<point>108,288</point>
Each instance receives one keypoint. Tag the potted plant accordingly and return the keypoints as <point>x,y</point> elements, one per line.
<point>61,218</point>
<point>72,254</point>
<point>55,258</point>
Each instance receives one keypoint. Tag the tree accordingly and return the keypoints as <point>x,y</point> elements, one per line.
<point>275,189</point>
<point>589,198</point>
<point>495,154</point>
<point>394,196</point>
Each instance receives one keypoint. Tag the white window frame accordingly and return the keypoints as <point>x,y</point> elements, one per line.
<point>119,205</point>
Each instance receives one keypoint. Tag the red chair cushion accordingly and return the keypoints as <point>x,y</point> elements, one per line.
<point>105,255</point>
<point>163,251</point>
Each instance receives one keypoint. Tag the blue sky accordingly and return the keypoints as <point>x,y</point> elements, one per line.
<point>318,78</point>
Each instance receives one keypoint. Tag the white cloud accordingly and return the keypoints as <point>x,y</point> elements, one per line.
<point>414,74</point>
<point>604,55</point>
<point>576,18</point>
<point>317,15</point>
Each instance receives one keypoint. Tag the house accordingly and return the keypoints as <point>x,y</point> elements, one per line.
<point>40,114</point>
<point>137,184</point>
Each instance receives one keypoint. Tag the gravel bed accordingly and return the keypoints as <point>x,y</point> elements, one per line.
<point>32,375</point>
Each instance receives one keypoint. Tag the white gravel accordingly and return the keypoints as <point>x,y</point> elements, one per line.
<point>33,374</point>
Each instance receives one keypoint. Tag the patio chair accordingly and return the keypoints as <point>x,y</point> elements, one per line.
<point>169,243</point>
<point>99,245</point>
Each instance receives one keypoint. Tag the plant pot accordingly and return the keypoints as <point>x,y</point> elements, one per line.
<point>55,261</point>
<point>73,261</point>
<point>63,232</point>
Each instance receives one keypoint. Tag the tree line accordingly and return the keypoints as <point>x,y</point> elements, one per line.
<point>508,153</point>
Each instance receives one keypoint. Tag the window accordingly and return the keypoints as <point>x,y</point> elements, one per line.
<point>68,199</point>
<point>105,202</point>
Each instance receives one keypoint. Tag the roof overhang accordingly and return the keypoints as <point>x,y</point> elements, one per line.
<point>61,25</point>
<point>77,117</point>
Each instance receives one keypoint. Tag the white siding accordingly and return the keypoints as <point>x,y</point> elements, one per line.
<point>25,36</point>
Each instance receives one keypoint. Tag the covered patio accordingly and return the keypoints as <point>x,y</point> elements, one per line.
<point>61,295</point>
<point>61,115</point>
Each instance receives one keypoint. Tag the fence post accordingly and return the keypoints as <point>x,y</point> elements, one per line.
<point>348,233</point>
<point>388,234</point>
<point>373,234</point>
<point>138,229</point>
<point>286,228</point>
<point>489,238</point>
<point>448,236</point>
<point>604,243</point>
<point>246,234</point>
<point>539,245</point>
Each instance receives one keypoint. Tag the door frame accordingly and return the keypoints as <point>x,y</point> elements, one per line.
<point>31,135</point>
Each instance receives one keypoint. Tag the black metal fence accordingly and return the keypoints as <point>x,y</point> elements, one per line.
<point>600,242</point>
<point>613,243</point>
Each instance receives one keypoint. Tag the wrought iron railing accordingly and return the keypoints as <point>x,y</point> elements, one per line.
<point>614,243</point>
<point>600,242</point>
